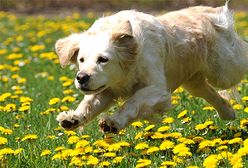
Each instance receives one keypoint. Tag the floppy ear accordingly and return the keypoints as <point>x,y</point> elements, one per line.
<point>67,49</point>
<point>122,33</point>
<point>122,37</point>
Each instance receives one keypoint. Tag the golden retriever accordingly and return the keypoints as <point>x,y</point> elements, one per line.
<point>143,59</point>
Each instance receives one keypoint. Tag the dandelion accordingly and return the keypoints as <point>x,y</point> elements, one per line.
<point>9,107</point>
<point>152,149</point>
<point>168,120</point>
<point>211,161</point>
<point>73,139</point>
<point>166,144</point>
<point>59,148</point>
<point>3,141</point>
<point>18,151</point>
<point>163,128</point>
<point>141,145</point>
<point>70,133</point>
<point>118,159</point>
<point>45,152</point>
<point>76,161</point>
<point>82,143</point>
<point>182,150</point>
<point>92,160</point>
<point>137,124</point>
<point>235,140</point>
<point>182,114</point>
<point>54,101</point>
<point>109,154</point>
<point>29,137</point>
<point>104,164</point>
<point>143,163</point>
<point>150,127</point>
<point>168,163</point>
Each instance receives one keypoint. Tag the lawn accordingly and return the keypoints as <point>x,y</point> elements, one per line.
<point>34,89</point>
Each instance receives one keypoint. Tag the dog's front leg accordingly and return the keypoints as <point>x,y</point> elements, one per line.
<point>88,109</point>
<point>142,105</point>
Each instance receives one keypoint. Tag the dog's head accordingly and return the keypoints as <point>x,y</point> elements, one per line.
<point>103,55</point>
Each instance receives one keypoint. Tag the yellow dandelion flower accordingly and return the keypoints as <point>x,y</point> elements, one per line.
<point>163,128</point>
<point>101,143</point>
<point>70,133</point>
<point>185,140</point>
<point>24,108</point>
<point>237,107</point>
<point>24,99</point>
<point>6,151</point>
<point>180,148</point>
<point>29,137</point>
<point>211,161</point>
<point>137,124</point>
<point>109,154</point>
<point>18,151</point>
<point>138,135</point>
<point>152,150</point>
<point>67,83</point>
<point>45,152</point>
<point>118,159</point>
<point>168,120</point>
<point>68,91</point>
<point>3,140</point>
<point>82,143</point>
<point>169,163</point>
<point>158,135</point>
<point>68,99</point>
<point>6,131</point>
<point>222,148</point>
<point>246,110</point>
<point>54,101</point>
<point>244,123</point>
<point>64,108</point>
<point>92,160</point>
<point>143,163</point>
<point>9,107</point>
<point>73,139</point>
<point>150,127</point>
<point>166,144</point>
<point>57,156</point>
<point>182,114</point>
<point>141,145</point>
<point>76,161</point>
<point>235,140</point>
<point>104,164</point>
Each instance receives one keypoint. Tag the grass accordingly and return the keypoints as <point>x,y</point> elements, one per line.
<point>191,134</point>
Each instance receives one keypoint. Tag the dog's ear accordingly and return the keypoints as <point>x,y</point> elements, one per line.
<point>67,49</point>
<point>122,33</point>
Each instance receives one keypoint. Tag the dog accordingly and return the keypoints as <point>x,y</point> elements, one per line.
<point>143,59</point>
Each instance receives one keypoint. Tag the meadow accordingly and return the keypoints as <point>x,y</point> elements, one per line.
<point>34,89</point>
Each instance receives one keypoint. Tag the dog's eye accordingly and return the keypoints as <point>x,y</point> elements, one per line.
<point>102,59</point>
<point>81,60</point>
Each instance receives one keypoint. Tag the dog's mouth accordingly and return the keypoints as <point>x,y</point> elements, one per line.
<point>90,91</point>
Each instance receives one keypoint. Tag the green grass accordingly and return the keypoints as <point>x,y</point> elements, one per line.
<point>21,35</point>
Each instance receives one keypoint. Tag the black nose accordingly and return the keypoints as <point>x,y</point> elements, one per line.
<point>82,78</point>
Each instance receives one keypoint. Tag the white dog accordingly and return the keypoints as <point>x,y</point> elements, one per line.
<point>143,59</point>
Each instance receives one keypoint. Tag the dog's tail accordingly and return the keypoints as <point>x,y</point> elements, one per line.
<point>224,22</point>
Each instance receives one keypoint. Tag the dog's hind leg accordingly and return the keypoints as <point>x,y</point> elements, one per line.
<point>198,86</point>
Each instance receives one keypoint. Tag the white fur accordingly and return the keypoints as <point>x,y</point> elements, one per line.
<point>195,47</point>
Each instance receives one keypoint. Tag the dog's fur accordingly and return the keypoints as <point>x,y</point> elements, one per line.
<point>145,58</point>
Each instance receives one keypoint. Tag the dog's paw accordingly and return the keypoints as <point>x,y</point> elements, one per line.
<point>67,120</point>
<point>108,126</point>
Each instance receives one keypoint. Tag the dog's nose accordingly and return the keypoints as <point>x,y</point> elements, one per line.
<point>82,78</point>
